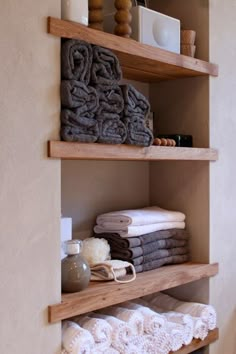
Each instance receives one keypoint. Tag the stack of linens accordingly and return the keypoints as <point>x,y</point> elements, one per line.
<point>148,237</point>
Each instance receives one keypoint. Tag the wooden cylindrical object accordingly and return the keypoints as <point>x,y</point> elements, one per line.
<point>96,14</point>
<point>188,49</point>
<point>188,37</point>
<point>123,18</point>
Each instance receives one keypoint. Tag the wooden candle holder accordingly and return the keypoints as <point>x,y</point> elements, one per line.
<point>123,18</point>
<point>96,14</point>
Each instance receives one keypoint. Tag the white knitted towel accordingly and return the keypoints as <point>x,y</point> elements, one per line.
<point>150,344</point>
<point>136,217</point>
<point>99,328</point>
<point>176,335</point>
<point>134,231</point>
<point>121,331</point>
<point>132,317</point>
<point>152,321</point>
<point>162,301</point>
<point>184,320</point>
<point>200,330</point>
<point>76,340</point>
<point>206,312</point>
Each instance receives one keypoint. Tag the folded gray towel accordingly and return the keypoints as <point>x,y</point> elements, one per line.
<point>75,94</point>
<point>111,129</point>
<point>160,262</point>
<point>131,253</point>
<point>76,60</point>
<point>105,68</point>
<point>135,102</point>
<point>75,127</point>
<point>110,99</point>
<point>117,241</point>
<point>137,132</point>
<point>162,253</point>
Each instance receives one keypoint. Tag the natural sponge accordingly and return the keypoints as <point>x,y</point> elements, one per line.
<point>95,250</point>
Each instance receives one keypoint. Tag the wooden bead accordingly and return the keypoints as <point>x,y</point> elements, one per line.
<point>95,16</point>
<point>123,30</point>
<point>157,142</point>
<point>97,26</point>
<point>123,16</point>
<point>163,142</point>
<point>95,4</point>
<point>123,4</point>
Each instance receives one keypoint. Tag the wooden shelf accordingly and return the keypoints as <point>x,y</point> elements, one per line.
<point>82,151</point>
<point>103,294</point>
<point>139,61</point>
<point>198,343</point>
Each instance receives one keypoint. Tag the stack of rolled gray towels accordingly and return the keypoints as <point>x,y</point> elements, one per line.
<point>94,107</point>
<point>148,238</point>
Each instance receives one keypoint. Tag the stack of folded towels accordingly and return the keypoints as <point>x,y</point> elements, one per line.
<point>94,107</point>
<point>148,237</point>
<point>142,326</point>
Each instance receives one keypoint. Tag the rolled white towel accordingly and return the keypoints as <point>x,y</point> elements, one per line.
<point>100,329</point>
<point>206,312</point>
<point>134,231</point>
<point>132,317</point>
<point>150,344</point>
<point>76,340</point>
<point>121,331</point>
<point>152,321</point>
<point>136,217</point>
<point>176,335</point>
<point>200,330</point>
<point>184,320</point>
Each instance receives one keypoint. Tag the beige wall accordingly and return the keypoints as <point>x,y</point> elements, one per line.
<point>30,183</point>
<point>222,173</point>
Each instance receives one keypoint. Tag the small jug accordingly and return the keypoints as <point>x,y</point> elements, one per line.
<point>75,271</point>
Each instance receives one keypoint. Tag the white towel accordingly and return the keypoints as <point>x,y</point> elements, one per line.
<point>149,344</point>
<point>76,340</point>
<point>133,318</point>
<point>137,217</point>
<point>152,321</point>
<point>176,335</point>
<point>134,231</point>
<point>121,331</point>
<point>99,328</point>
<point>200,330</point>
<point>184,320</point>
<point>206,312</point>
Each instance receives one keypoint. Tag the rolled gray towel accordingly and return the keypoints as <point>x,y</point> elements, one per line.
<point>105,68</point>
<point>135,102</point>
<point>75,127</point>
<point>110,99</point>
<point>137,132</point>
<point>75,94</point>
<point>111,129</point>
<point>76,60</point>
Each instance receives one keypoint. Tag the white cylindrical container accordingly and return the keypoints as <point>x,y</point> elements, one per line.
<point>75,10</point>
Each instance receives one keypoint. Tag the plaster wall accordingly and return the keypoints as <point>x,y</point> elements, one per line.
<point>222,173</point>
<point>30,182</point>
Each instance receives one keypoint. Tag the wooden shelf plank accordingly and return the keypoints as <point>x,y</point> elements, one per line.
<point>102,294</point>
<point>82,151</point>
<point>198,343</point>
<point>140,61</point>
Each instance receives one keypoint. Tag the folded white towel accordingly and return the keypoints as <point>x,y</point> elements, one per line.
<point>99,328</point>
<point>206,312</point>
<point>76,340</point>
<point>137,217</point>
<point>200,330</point>
<point>184,320</point>
<point>133,318</point>
<point>152,321</point>
<point>134,231</point>
<point>121,331</point>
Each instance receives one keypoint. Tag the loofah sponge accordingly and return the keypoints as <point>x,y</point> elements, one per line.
<point>95,250</point>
